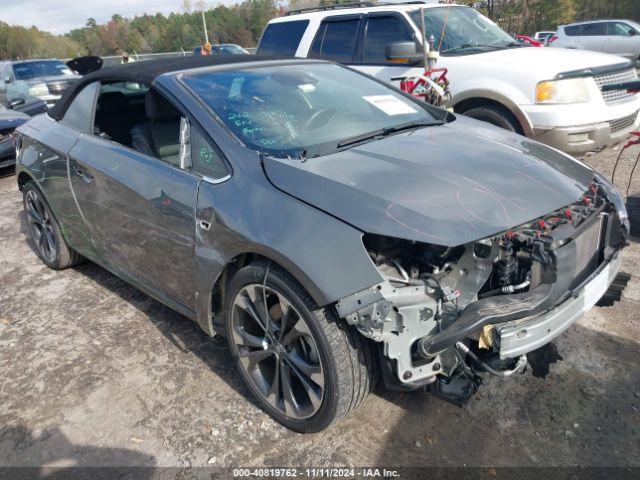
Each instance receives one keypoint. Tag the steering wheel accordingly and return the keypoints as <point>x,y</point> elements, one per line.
<point>321,117</point>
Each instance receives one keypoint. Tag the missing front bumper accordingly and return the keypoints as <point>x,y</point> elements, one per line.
<point>523,336</point>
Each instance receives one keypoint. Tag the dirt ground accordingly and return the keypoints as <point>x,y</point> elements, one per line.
<point>95,373</point>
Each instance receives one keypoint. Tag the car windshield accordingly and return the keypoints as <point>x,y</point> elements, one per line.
<point>308,109</point>
<point>462,30</point>
<point>40,68</point>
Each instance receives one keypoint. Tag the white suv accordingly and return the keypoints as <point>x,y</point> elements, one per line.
<point>552,95</point>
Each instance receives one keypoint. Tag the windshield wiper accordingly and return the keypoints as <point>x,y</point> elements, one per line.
<point>411,126</point>
<point>475,47</point>
<point>361,138</point>
<point>383,132</point>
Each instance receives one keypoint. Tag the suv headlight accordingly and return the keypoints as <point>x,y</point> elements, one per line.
<point>571,90</point>
<point>38,89</point>
<point>615,198</point>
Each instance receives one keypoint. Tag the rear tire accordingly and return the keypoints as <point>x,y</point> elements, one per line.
<point>45,231</point>
<point>495,115</point>
<point>338,360</point>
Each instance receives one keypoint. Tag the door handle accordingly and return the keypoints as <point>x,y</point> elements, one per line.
<point>87,177</point>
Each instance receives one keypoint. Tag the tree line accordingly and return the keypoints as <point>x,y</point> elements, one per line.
<point>529,16</point>
<point>244,22</point>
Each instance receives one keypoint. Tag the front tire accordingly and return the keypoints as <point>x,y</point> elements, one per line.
<point>495,115</point>
<point>306,368</point>
<point>45,232</point>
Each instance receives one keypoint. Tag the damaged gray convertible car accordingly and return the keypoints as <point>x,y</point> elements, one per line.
<point>332,228</point>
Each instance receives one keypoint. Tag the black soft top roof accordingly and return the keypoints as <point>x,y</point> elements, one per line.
<point>147,71</point>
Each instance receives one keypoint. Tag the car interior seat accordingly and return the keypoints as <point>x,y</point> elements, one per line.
<point>160,136</point>
<point>113,108</point>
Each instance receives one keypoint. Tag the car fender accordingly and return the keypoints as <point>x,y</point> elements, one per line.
<point>324,254</point>
<point>502,93</point>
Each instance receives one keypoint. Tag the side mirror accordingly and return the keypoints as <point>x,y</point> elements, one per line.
<point>403,52</point>
<point>7,79</point>
<point>185,144</point>
<point>632,32</point>
<point>15,102</point>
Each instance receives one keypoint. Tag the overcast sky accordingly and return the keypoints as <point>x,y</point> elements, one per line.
<point>61,16</point>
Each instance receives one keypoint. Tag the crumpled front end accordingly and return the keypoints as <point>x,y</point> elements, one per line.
<point>447,314</point>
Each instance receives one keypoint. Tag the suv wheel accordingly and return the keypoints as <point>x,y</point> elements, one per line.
<point>305,367</point>
<point>45,231</point>
<point>495,115</point>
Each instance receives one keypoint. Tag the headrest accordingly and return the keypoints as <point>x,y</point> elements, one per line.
<point>113,102</point>
<point>158,109</point>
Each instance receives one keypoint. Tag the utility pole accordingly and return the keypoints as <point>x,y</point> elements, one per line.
<point>204,22</point>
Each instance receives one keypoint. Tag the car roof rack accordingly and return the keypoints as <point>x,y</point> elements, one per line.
<point>336,6</point>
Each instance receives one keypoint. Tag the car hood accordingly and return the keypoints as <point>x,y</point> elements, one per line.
<point>548,62</point>
<point>52,79</point>
<point>446,185</point>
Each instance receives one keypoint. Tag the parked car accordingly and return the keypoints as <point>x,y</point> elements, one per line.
<point>532,42</point>
<point>9,121</point>
<point>333,228</point>
<point>229,49</point>
<point>45,79</point>
<point>11,117</point>
<point>223,48</point>
<point>617,37</point>
<point>543,36</point>
<point>552,96</point>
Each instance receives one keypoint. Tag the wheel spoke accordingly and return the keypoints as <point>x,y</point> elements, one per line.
<point>242,337</point>
<point>291,407</point>
<point>33,213</point>
<point>51,243</point>
<point>313,392</point>
<point>252,306</point>
<point>290,337</point>
<point>289,316</point>
<point>37,232</point>
<point>42,243</point>
<point>251,359</point>
<point>306,368</point>
<point>274,395</point>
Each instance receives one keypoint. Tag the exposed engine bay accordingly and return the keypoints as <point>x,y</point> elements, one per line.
<point>443,315</point>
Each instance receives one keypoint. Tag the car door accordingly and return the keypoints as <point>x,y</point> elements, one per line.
<point>623,40</point>
<point>381,29</point>
<point>140,211</point>
<point>594,37</point>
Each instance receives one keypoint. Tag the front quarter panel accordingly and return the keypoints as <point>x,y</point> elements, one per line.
<point>43,157</point>
<point>247,214</point>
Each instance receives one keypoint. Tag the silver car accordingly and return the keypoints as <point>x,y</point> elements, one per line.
<point>618,37</point>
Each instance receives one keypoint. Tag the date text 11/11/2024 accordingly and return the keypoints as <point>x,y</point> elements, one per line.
<point>315,473</point>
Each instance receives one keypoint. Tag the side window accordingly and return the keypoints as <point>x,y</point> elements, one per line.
<point>338,41</point>
<point>316,46</point>
<point>79,114</point>
<point>594,29</point>
<point>573,31</point>
<point>282,38</point>
<point>120,107</point>
<point>205,158</point>
<point>380,32</point>
<point>619,29</point>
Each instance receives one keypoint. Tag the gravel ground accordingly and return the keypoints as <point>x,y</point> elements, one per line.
<point>95,373</point>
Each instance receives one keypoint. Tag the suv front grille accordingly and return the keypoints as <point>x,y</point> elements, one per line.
<point>616,96</point>
<point>623,123</point>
